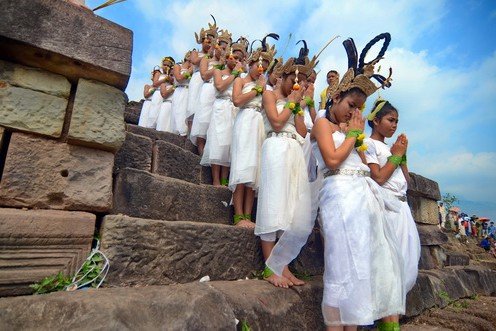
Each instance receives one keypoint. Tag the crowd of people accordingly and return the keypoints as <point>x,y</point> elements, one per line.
<point>255,122</point>
<point>480,228</point>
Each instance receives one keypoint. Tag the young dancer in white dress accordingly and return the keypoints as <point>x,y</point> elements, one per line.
<point>165,114</point>
<point>284,206</point>
<point>205,38</point>
<point>182,74</point>
<point>389,169</point>
<point>160,76</point>
<point>363,277</point>
<point>217,153</point>
<point>248,135</point>
<point>148,91</point>
<point>201,120</point>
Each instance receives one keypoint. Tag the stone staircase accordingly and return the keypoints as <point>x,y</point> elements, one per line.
<point>73,162</point>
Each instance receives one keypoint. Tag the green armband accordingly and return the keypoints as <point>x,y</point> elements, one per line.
<point>309,102</point>
<point>395,159</point>
<point>294,107</point>
<point>235,73</point>
<point>220,66</point>
<point>258,89</point>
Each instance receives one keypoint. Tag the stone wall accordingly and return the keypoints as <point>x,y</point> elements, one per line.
<point>61,122</point>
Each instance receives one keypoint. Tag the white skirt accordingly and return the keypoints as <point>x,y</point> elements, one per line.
<point>362,277</point>
<point>408,242</point>
<point>179,111</point>
<point>219,134</point>
<point>154,109</point>
<point>201,121</point>
<point>164,116</point>
<point>195,85</point>
<point>246,148</point>
<point>145,110</point>
<point>284,199</point>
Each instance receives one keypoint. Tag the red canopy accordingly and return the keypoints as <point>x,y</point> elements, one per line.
<point>483,219</point>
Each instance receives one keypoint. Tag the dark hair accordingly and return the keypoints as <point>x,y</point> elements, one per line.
<point>333,71</point>
<point>342,95</point>
<point>388,108</point>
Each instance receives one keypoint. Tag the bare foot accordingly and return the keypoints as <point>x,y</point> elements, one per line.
<point>289,275</point>
<point>246,224</point>
<point>279,281</point>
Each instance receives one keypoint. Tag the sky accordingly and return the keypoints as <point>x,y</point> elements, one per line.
<point>443,56</point>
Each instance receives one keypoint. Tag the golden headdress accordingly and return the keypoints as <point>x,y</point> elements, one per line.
<point>302,63</point>
<point>211,31</point>
<point>275,65</point>
<point>359,74</point>
<point>170,59</point>
<point>240,45</point>
<point>224,36</point>
<point>265,52</point>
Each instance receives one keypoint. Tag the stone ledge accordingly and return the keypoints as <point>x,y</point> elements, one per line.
<point>423,187</point>
<point>175,162</point>
<point>195,306</point>
<point>141,194</point>
<point>431,235</point>
<point>65,39</point>
<point>135,152</point>
<point>39,243</point>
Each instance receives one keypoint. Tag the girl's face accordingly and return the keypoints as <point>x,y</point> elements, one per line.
<point>236,57</point>
<point>387,125</point>
<point>206,44</point>
<point>288,82</point>
<point>254,69</point>
<point>343,108</point>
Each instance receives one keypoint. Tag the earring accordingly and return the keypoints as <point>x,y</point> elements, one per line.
<point>296,86</point>
<point>260,67</point>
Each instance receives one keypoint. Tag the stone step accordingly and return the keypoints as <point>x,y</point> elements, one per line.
<point>142,194</point>
<point>132,111</point>
<point>161,157</point>
<point>214,305</point>
<point>155,252</point>
<point>456,258</point>
<point>172,138</point>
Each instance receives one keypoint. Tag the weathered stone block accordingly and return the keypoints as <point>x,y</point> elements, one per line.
<point>423,210</point>
<point>195,306</point>
<point>31,111</point>
<point>153,252</point>
<point>431,257</point>
<point>175,162</point>
<point>98,116</point>
<point>431,235</point>
<point>132,112</point>
<point>34,79</point>
<point>421,296</point>
<point>141,194</point>
<point>136,153</point>
<point>156,135</point>
<point>38,243</point>
<point>423,187</point>
<point>65,39</point>
<point>484,279</point>
<point>42,173</point>
<point>456,259</point>
<point>1,136</point>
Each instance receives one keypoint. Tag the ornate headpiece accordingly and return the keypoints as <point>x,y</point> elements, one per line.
<point>211,31</point>
<point>224,36</point>
<point>240,45</point>
<point>170,59</point>
<point>359,74</point>
<point>378,104</point>
<point>265,52</point>
<point>275,65</point>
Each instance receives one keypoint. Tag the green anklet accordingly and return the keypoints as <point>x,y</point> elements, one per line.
<point>238,218</point>
<point>267,272</point>
<point>224,182</point>
<point>247,217</point>
<point>388,326</point>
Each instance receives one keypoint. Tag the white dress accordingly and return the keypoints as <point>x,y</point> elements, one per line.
<point>201,121</point>
<point>402,222</point>
<point>164,115</point>
<point>246,145</point>
<point>219,134</point>
<point>195,84</point>
<point>145,110</point>
<point>180,107</point>
<point>284,193</point>
<point>154,110</point>
<point>362,277</point>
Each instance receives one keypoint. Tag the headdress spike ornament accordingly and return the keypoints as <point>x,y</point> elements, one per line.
<point>379,103</point>
<point>359,73</point>
<point>240,45</point>
<point>265,52</point>
<point>211,31</point>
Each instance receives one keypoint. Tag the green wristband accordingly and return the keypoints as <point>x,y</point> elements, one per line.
<point>309,102</point>
<point>395,159</point>
<point>235,73</point>
<point>258,89</point>
<point>353,133</point>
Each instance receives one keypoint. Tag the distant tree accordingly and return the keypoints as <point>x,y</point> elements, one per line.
<point>449,200</point>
